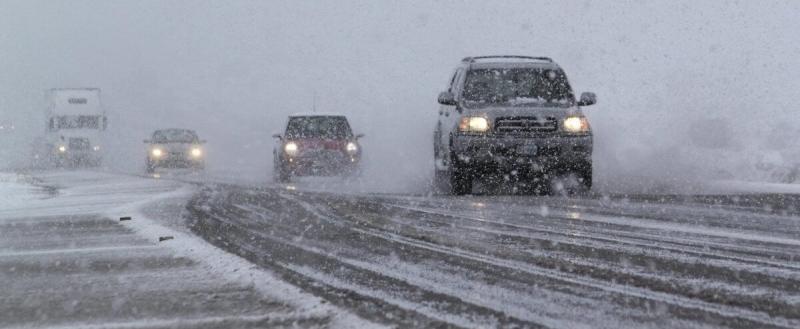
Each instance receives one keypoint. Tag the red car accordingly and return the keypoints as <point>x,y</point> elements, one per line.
<point>316,145</point>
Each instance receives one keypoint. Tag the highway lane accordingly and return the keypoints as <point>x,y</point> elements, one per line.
<point>520,261</point>
<point>411,261</point>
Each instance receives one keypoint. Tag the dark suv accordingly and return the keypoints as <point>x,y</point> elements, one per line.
<point>515,115</point>
<point>316,145</point>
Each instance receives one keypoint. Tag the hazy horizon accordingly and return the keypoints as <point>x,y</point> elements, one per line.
<point>685,89</point>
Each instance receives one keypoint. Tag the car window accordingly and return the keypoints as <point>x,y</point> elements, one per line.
<point>451,85</point>
<point>517,86</point>
<point>175,136</point>
<point>318,127</point>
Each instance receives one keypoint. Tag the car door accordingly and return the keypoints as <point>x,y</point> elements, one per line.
<point>438,131</point>
<point>277,147</point>
<point>448,117</point>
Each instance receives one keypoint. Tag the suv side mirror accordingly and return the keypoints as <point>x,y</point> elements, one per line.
<point>147,141</point>
<point>447,98</point>
<point>359,136</point>
<point>587,99</point>
<point>278,136</point>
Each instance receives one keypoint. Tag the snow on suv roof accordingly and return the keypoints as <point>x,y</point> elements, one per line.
<point>508,60</point>
<point>317,114</point>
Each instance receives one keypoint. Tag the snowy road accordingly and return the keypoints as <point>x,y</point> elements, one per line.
<point>332,259</point>
<point>521,261</point>
<point>66,261</point>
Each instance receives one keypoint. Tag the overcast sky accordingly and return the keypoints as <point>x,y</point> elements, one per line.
<point>235,69</point>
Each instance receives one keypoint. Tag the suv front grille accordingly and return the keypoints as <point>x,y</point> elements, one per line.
<point>79,144</point>
<point>525,125</point>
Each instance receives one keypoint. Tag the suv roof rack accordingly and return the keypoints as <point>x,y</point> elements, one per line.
<point>532,58</point>
<point>76,88</point>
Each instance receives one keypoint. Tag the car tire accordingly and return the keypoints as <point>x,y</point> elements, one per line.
<point>281,174</point>
<point>441,182</point>
<point>586,178</point>
<point>460,180</point>
<point>352,173</point>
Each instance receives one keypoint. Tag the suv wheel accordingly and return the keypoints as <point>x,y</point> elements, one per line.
<point>352,173</point>
<point>441,181</point>
<point>586,178</point>
<point>460,179</point>
<point>281,174</point>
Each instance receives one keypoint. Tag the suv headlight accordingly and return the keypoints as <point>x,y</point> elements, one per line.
<point>473,124</point>
<point>196,152</point>
<point>351,148</point>
<point>576,124</point>
<point>157,152</point>
<point>291,148</point>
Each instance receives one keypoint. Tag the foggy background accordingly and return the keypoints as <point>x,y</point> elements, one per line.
<point>687,91</point>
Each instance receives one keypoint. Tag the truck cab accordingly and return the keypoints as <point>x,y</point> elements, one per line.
<point>76,122</point>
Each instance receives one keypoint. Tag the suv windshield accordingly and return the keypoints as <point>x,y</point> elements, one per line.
<point>517,86</point>
<point>175,136</point>
<point>318,127</point>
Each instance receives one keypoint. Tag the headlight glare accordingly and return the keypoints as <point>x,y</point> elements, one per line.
<point>291,148</point>
<point>157,152</point>
<point>351,148</point>
<point>197,152</point>
<point>473,124</point>
<point>62,148</point>
<point>576,124</point>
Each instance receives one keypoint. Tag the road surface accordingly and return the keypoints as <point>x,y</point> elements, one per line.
<point>364,260</point>
<point>522,261</point>
<point>67,261</point>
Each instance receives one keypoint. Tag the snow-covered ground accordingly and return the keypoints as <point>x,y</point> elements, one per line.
<point>641,261</point>
<point>316,255</point>
<point>15,192</point>
<point>66,261</point>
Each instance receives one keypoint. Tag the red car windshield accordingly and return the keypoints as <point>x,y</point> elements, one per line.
<point>322,127</point>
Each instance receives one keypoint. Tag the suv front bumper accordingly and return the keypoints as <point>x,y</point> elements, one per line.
<point>563,153</point>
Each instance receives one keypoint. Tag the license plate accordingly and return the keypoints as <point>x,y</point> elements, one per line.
<point>527,149</point>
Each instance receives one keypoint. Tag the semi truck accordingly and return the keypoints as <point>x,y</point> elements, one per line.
<point>76,122</point>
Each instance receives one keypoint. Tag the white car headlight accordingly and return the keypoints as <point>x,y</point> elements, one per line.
<point>157,152</point>
<point>62,148</point>
<point>291,148</point>
<point>96,148</point>
<point>576,124</point>
<point>473,124</point>
<point>351,148</point>
<point>196,152</point>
